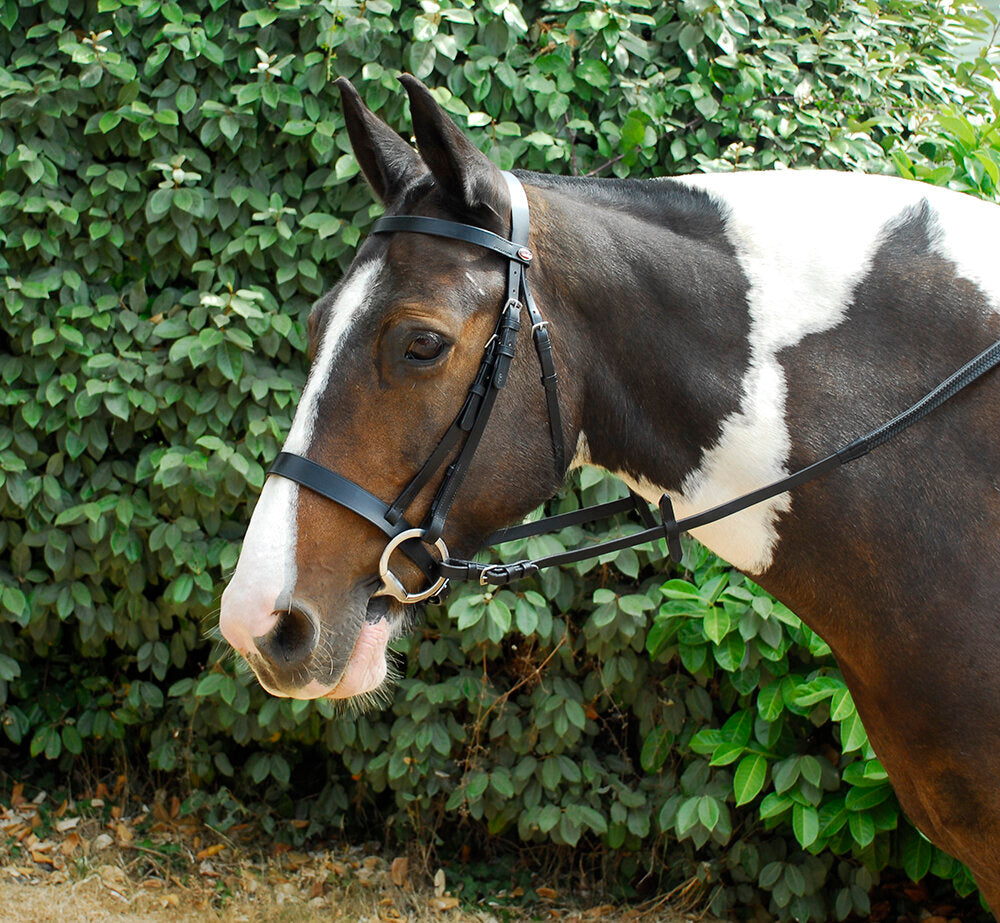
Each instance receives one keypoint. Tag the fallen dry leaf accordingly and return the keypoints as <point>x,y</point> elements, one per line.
<point>443,903</point>
<point>548,894</point>
<point>400,871</point>
<point>70,844</point>
<point>210,851</point>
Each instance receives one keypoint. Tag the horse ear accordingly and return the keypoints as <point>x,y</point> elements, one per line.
<point>464,172</point>
<point>387,161</point>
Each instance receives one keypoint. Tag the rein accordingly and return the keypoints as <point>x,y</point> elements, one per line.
<point>475,412</point>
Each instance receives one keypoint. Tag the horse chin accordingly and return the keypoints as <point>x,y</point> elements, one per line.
<point>367,670</point>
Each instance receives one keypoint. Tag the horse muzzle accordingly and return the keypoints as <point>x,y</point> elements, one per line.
<point>294,654</point>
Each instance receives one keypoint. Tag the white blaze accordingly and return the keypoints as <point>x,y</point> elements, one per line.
<point>265,574</point>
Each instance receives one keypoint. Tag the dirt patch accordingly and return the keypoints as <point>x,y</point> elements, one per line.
<point>109,893</point>
<point>95,861</point>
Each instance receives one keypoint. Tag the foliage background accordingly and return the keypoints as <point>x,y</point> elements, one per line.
<point>176,191</point>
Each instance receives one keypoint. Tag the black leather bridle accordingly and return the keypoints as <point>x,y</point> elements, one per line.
<point>472,417</point>
<point>475,413</point>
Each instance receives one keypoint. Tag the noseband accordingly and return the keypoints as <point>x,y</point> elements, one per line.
<point>475,413</point>
<point>472,418</point>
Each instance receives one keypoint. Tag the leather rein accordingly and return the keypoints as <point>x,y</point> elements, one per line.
<point>474,414</point>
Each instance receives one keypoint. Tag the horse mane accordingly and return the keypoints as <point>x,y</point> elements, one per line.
<point>662,202</point>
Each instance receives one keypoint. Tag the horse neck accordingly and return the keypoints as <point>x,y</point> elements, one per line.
<point>648,301</point>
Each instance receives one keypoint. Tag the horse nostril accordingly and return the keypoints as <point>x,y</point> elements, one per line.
<point>292,638</point>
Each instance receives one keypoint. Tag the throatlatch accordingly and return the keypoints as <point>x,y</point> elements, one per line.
<point>475,413</point>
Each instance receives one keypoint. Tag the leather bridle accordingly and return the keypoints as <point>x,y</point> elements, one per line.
<point>472,417</point>
<point>475,413</point>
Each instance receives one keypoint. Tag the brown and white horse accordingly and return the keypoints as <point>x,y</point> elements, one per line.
<point>712,333</point>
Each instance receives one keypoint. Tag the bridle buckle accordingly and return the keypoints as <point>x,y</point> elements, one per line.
<point>484,574</point>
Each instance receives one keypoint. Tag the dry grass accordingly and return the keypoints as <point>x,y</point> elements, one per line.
<point>66,863</point>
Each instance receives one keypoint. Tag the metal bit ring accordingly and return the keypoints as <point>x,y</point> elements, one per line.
<point>392,585</point>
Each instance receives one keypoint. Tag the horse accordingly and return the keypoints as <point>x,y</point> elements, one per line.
<point>711,333</point>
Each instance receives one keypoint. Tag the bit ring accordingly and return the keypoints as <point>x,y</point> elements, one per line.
<point>392,585</point>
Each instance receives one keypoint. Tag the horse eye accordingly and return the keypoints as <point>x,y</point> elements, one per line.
<point>425,347</point>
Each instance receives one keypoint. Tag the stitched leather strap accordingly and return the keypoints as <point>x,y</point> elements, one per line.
<point>418,224</point>
<point>335,487</point>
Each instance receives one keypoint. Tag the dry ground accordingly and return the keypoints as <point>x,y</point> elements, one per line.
<point>95,862</point>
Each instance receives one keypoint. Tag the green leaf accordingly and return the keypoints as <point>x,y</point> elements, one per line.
<point>770,702</point>
<point>421,59</point>
<point>594,72</point>
<point>186,98</point>
<point>716,624</point>
<point>280,770</point>
<point>862,828</point>
<point>852,733</point>
<point>680,589</point>
<point>863,799</point>
<point>708,811</point>
<point>502,783</point>
<point>917,853</point>
<point>749,778</point>
<point>774,805</point>
<point>655,749</point>
<point>805,824</point>
<point>298,127</point>
<point>71,740</point>
<point>727,752</point>
<point>109,120</point>
<point>477,785</point>
<point>687,815</point>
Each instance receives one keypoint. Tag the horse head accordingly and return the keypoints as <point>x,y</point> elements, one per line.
<point>394,349</point>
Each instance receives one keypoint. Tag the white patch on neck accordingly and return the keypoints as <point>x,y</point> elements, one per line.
<point>266,572</point>
<point>804,239</point>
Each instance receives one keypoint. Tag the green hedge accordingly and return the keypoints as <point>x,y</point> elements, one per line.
<point>177,190</point>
